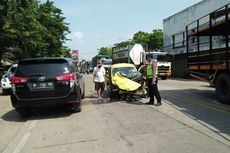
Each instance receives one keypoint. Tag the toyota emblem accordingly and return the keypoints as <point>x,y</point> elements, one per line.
<point>42,79</point>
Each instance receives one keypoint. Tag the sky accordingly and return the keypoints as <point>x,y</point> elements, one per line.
<point>103,23</point>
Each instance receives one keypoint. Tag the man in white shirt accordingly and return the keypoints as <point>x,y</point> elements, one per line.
<point>99,79</point>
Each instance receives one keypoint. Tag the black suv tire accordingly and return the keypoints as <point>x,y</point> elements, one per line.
<point>76,108</point>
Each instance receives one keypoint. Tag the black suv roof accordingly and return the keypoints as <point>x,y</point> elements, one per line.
<point>45,58</point>
<point>33,60</point>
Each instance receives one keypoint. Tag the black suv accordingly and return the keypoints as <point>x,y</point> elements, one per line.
<point>45,82</point>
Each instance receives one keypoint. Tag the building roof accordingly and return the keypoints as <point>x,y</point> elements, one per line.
<point>186,9</point>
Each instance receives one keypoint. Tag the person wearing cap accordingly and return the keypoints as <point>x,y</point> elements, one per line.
<point>99,79</point>
<point>151,70</point>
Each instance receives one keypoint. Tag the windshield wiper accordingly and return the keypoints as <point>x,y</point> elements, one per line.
<point>35,74</point>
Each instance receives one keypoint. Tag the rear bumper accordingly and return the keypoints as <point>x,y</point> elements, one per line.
<point>48,102</point>
<point>164,74</point>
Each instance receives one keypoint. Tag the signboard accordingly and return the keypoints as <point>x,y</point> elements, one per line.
<point>75,55</point>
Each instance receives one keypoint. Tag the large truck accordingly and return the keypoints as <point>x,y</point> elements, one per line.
<point>98,57</point>
<point>136,54</point>
<point>208,53</point>
<point>163,60</point>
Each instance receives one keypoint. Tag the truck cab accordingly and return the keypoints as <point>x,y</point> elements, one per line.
<point>163,63</point>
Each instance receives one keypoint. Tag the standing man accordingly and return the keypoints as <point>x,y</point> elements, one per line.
<point>99,79</point>
<point>152,80</point>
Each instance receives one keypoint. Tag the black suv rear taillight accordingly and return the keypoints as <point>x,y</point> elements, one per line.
<point>65,77</point>
<point>18,80</point>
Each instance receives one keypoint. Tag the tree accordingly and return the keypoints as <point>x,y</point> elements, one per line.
<point>55,26</point>
<point>105,51</point>
<point>156,40</point>
<point>141,37</point>
<point>3,39</point>
<point>153,39</point>
<point>22,26</point>
<point>30,28</point>
<point>65,52</point>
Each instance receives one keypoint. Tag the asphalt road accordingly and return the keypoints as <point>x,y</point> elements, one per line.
<point>190,120</point>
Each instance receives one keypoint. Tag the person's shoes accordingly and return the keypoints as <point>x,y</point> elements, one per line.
<point>150,103</point>
<point>159,104</point>
<point>100,100</point>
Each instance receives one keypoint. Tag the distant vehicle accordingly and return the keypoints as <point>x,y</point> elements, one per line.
<point>3,69</point>
<point>107,63</point>
<point>84,71</point>
<point>46,82</point>
<point>98,57</point>
<point>5,81</point>
<point>163,63</point>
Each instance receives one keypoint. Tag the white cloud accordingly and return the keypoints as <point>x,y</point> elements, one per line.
<point>77,39</point>
<point>78,35</point>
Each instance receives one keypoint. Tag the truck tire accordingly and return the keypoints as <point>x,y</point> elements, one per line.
<point>223,87</point>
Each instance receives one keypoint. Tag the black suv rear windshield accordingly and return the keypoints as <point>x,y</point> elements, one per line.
<point>42,67</point>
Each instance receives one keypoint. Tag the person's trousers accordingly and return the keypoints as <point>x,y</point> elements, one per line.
<point>153,91</point>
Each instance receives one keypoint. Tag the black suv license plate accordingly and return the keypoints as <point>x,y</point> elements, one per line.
<point>42,85</point>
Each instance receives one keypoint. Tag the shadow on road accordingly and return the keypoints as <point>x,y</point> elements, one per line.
<point>201,106</point>
<point>106,101</point>
<point>12,116</point>
<point>38,114</point>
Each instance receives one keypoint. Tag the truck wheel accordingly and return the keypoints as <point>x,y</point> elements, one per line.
<point>223,87</point>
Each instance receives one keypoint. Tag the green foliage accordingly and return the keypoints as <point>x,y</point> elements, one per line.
<point>65,52</point>
<point>153,39</point>
<point>124,43</point>
<point>30,28</point>
<point>156,40</point>
<point>105,51</point>
<point>141,37</point>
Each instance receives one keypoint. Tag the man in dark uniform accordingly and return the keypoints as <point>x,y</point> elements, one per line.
<point>151,70</point>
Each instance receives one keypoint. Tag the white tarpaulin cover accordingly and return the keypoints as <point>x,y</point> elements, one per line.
<point>136,54</point>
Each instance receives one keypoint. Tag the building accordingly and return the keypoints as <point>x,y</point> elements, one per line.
<point>175,42</point>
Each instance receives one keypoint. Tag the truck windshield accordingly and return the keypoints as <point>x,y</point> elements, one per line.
<point>126,71</point>
<point>163,58</point>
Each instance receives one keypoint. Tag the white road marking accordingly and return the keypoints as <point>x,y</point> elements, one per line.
<point>18,143</point>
